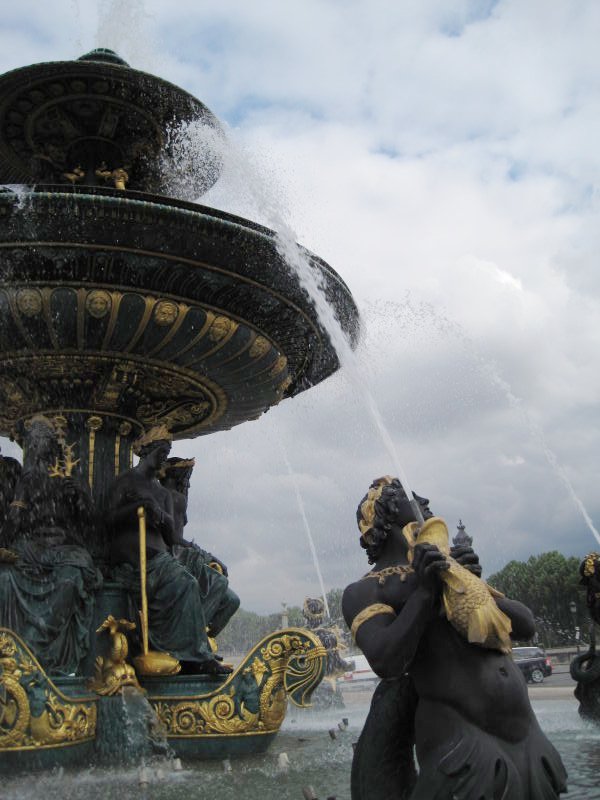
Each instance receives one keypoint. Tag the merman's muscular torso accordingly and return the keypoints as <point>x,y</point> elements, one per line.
<point>446,668</point>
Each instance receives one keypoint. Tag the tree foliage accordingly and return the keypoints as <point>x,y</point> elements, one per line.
<point>246,628</point>
<point>547,584</point>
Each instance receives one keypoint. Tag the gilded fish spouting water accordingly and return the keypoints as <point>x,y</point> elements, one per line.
<point>468,601</point>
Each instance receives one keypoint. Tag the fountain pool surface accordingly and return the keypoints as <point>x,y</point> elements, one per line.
<point>315,760</point>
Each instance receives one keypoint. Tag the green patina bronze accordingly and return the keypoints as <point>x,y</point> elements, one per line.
<point>126,308</point>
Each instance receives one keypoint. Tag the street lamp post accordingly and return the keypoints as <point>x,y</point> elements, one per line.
<point>284,616</point>
<point>573,610</point>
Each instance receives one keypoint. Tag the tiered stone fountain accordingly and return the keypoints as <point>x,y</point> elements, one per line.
<point>122,309</point>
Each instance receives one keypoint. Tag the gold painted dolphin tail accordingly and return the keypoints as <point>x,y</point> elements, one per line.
<point>472,610</point>
<point>468,601</point>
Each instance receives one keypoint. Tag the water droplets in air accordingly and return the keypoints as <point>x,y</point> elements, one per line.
<point>416,313</point>
<point>122,26</point>
<point>307,530</point>
<point>196,149</point>
<point>260,199</point>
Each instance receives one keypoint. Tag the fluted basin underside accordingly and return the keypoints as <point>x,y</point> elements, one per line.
<point>151,311</point>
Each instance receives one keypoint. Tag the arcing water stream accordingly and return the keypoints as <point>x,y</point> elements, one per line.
<point>309,536</point>
<point>192,145</point>
<point>447,327</point>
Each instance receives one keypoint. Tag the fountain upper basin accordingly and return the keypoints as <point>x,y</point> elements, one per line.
<point>151,309</point>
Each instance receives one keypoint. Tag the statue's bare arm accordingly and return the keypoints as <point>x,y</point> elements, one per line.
<point>167,519</point>
<point>120,510</point>
<point>388,640</point>
<point>389,636</point>
<point>523,623</point>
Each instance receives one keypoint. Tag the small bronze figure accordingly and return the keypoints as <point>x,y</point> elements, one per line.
<point>177,622</point>
<point>76,176</point>
<point>585,668</point>
<point>449,687</point>
<point>119,177</point>
<point>220,602</point>
<point>46,593</point>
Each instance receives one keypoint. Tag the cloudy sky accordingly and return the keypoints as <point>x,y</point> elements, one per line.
<point>441,155</point>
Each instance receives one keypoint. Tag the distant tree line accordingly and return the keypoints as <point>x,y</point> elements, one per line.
<point>547,584</point>
<point>247,628</point>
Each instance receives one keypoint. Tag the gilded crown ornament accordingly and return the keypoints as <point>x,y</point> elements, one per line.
<point>158,433</point>
<point>184,463</point>
<point>367,509</point>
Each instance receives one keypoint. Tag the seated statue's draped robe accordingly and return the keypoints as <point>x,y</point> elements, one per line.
<point>47,596</point>
<point>176,619</point>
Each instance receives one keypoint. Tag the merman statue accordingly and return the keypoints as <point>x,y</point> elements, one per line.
<point>440,639</point>
<point>177,622</point>
<point>47,576</point>
<point>328,692</point>
<point>585,668</point>
<point>219,601</point>
<point>330,635</point>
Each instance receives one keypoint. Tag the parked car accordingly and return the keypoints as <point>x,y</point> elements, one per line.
<point>362,674</point>
<point>533,663</point>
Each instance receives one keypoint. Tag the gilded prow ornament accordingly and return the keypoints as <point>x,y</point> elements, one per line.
<point>286,664</point>
<point>34,713</point>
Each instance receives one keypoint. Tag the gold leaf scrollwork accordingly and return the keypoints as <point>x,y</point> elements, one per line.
<point>62,721</point>
<point>254,699</point>
<point>14,713</point>
<point>215,715</point>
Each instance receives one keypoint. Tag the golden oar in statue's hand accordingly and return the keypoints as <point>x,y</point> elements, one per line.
<point>149,662</point>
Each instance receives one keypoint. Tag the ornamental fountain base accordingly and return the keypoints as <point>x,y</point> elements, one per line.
<point>47,723</point>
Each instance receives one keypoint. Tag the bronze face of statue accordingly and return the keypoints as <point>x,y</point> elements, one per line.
<point>463,705</point>
<point>98,303</point>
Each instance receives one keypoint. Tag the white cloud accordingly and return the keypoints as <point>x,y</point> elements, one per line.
<point>444,161</point>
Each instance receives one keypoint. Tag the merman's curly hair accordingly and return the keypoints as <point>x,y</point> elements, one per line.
<point>385,504</point>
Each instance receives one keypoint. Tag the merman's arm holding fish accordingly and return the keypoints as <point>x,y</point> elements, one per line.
<point>523,623</point>
<point>389,617</point>
<point>388,620</point>
<point>416,580</point>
